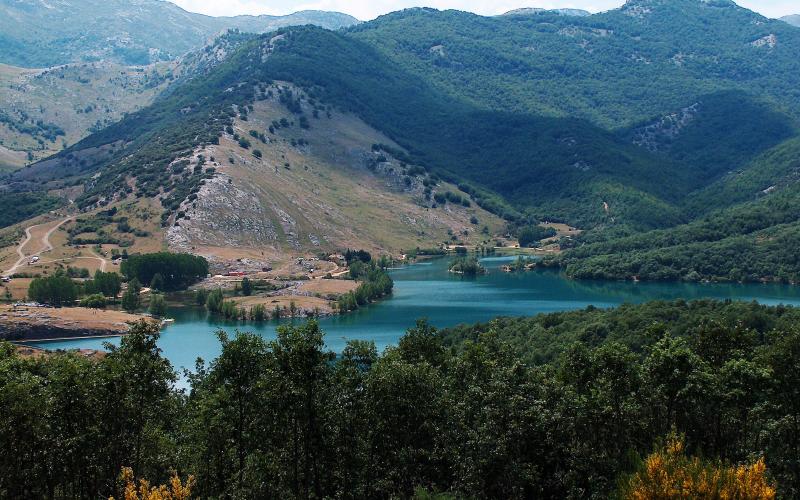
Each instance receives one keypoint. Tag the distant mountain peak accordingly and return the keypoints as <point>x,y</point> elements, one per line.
<point>711,3</point>
<point>794,20</point>
<point>635,4</point>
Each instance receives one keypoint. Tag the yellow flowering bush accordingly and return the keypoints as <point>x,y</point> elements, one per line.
<point>176,490</point>
<point>669,474</point>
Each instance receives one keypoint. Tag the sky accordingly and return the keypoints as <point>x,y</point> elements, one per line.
<point>369,9</point>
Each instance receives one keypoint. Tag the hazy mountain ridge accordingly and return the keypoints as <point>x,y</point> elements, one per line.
<point>794,19</point>
<point>35,33</point>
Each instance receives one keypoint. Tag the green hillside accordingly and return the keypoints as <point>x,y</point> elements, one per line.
<point>628,120</point>
<point>564,167</point>
<point>615,69</point>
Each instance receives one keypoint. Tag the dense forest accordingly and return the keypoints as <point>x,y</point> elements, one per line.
<point>172,271</point>
<point>16,207</point>
<point>557,406</point>
<point>753,241</point>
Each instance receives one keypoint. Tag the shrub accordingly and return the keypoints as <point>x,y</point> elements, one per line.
<point>158,306</point>
<point>94,301</point>
<point>669,473</point>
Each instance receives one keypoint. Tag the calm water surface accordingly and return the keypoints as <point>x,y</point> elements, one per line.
<point>428,290</point>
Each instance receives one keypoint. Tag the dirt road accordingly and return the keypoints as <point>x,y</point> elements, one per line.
<point>46,246</point>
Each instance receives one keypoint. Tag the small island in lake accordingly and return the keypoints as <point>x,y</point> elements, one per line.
<point>467,266</point>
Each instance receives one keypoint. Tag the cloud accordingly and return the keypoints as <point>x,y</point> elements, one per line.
<point>369,9</point>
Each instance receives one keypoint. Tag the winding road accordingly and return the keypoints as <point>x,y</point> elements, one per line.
<point>46,246</point>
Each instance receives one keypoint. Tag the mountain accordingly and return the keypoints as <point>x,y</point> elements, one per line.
<point>642,118</point>
<point>794,20</point>
<point>45,110</point>
<point>39,33</point>
<point>614,69</point>
<point>266,172</point>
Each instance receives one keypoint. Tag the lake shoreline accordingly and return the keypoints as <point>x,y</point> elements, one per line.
<point>42,324</point>
<point>427,290</point>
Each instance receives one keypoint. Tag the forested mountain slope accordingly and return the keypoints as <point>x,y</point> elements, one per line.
<point>198,111</point>
<point>38,33</point>
<point>619,69</point>
<point>752,240</point>
<point>628,119</point>
<point>616,68</point>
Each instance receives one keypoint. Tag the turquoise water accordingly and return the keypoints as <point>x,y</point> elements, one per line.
<point>428,290</point>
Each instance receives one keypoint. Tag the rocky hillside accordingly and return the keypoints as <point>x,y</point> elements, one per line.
<point>530,11</point>
<point>39,33</point>
<point>311,179</point>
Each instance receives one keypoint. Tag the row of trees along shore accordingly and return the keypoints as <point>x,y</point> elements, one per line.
<point>439,415</point>
<point>163,272</point>
<point>375,283</point>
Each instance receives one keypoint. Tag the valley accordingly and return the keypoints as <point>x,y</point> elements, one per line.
<point>543,254</point>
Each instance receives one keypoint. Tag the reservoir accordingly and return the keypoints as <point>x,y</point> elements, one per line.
<point>428,290</point>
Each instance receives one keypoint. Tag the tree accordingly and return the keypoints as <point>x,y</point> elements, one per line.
<point>258,312</point>
<point>158,306</point>
<point>95,301</point>
<point>532,235</point>
<point>228,402</point>
<point>247,287</point>
<point>303,369</point>
<point>130,299</point>
<point>157,283</point>
<point>177,270</point>
<point>467,266</point>
<point>139,403</point>
<point>108,284</point>
<point>214,301</point>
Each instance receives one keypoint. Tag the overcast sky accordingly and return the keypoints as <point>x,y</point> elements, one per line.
<point>369,9</point>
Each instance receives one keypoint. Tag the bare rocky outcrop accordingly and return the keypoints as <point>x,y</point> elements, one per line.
<point>769,41</point>
<point>222,215</point>
<point>658,136</point>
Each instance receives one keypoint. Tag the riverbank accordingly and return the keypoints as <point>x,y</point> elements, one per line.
<point>26,323</point>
